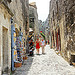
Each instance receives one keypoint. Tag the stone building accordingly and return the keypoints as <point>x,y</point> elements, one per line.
<point>21,24</point>
<point>21,16</point>
<point>43,27</point>
<point>62,27</point>
<point>47,29</point>
<point>40,25</point>
<point>16,13</point>
<point>5,37</point>
<point>33,18</point>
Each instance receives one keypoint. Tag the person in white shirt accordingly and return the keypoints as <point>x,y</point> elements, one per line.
<point>43,46</point>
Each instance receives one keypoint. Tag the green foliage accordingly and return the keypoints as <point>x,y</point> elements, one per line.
<point>31,26</point>
<point>42,35</point>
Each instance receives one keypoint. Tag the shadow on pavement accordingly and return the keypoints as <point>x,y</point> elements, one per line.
<point>25,67</point>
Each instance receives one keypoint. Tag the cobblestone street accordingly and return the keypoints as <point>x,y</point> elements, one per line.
<point>48,64</point>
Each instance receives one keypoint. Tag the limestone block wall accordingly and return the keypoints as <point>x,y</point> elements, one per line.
<point>20,9</point>
<point>6,47</point>
<point>16,7</point>
<point>33,14</point>
<point>62,16</point>
<point>62,36</point>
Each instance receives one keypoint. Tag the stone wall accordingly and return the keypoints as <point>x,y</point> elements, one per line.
<point>5,47</point>
<point>40,25</point>
<point>62,18</point>
<point>20,9</point>
<point>33,15</point>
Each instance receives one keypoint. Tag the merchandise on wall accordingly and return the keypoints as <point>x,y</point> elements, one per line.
<point>13,47</point>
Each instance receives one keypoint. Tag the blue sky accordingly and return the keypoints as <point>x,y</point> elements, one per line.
<point>42,8</point>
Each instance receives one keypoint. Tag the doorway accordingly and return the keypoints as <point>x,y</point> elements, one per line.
<point>5,48</point>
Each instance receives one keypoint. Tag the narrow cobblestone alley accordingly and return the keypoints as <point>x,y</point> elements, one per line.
<point>48,64</point>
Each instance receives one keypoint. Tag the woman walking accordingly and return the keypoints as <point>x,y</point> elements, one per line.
<point>37,45</point>
<point>43,46</point>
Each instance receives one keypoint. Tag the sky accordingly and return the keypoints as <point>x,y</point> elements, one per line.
<point>42,8</point>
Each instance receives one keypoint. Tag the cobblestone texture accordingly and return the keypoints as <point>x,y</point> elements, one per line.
<point>48,64</point>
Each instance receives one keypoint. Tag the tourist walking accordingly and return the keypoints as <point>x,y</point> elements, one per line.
<point>37,45</point>
<point>43,46</point>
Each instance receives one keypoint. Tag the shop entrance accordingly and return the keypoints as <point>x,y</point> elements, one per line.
<point>5,48</point>
<point>58,41</point>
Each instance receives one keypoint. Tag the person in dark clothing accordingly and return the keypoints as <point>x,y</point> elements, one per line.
<point>31,48</point>
<point>31,43</point>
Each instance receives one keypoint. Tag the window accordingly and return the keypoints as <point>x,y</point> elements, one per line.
<point>71,18</point>
<point>31,19</point>
<point>9,1</point>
